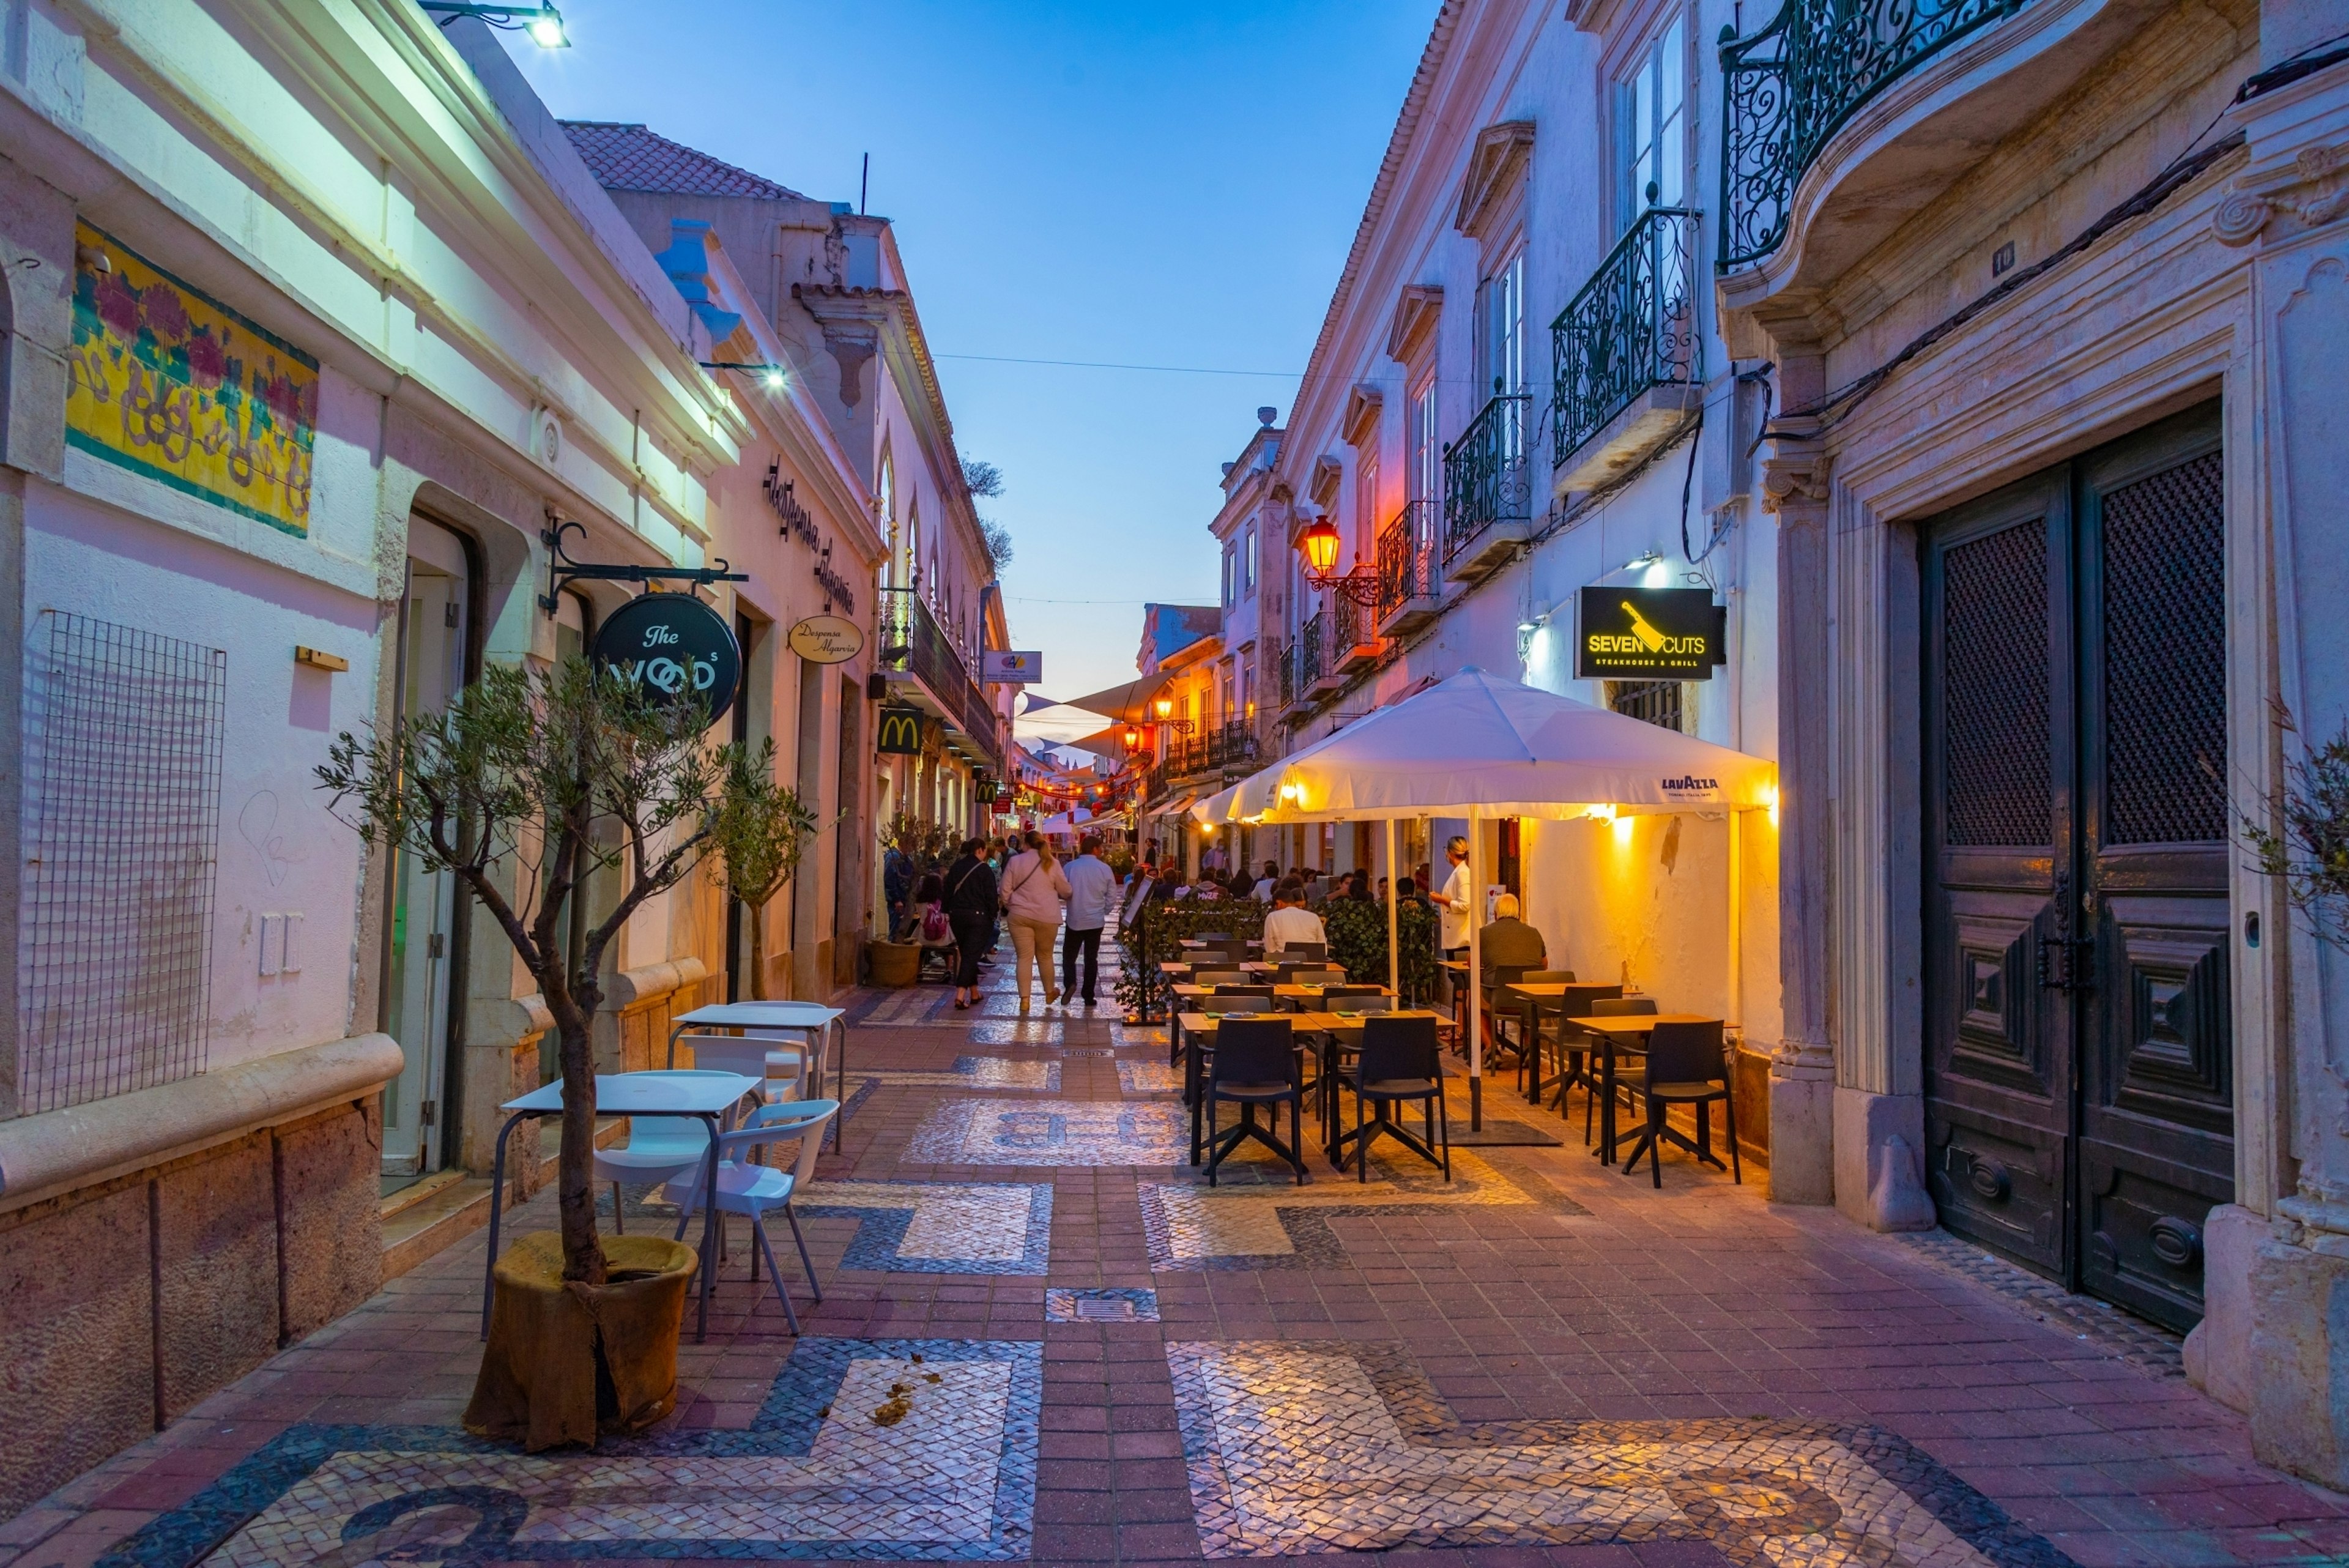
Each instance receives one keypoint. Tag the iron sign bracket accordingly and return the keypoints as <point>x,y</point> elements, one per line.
<point>562,570</point>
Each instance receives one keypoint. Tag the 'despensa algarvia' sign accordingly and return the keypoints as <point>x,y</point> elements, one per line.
<point>674,647</point>
<point>1648,634</point>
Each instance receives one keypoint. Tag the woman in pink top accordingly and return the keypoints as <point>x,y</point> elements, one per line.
<point>1034,888</point>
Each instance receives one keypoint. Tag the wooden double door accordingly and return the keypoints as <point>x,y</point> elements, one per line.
<point>2079,1097</point>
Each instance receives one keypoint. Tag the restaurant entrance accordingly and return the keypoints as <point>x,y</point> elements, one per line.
<point>2079,1103</point>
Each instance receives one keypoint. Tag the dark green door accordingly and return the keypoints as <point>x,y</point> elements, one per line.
<point>2079,1104</point>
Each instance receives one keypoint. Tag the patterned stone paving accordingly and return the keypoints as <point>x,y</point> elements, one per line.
<point>1304,1448</point>
<point>1541,1362</point>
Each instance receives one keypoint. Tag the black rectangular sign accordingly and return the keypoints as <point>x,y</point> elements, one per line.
<point>900,734</point>
<point>1648,634</point>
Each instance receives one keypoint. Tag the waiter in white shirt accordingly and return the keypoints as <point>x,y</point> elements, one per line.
<point>1457,902</point>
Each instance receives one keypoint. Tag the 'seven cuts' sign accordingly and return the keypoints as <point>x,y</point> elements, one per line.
<point>1648,634</point>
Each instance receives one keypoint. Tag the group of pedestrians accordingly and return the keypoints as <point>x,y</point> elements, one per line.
<point>1041,899</point>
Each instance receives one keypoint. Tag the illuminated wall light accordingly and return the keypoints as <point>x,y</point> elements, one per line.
<point>1623,826</point>
<point>1599,812</point>
<point>1770,801</point>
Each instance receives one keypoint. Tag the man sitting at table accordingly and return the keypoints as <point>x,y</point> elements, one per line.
<point>1507,941</point>
<point>1290,920</point>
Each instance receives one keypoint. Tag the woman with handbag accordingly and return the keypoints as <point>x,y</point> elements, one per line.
<point>1034,888</point>
<point>969,900</point>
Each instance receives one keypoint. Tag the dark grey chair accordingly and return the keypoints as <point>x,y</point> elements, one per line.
<point>1254,1065</point>
<point>1400,1061</point>
<point>1687,1065</point>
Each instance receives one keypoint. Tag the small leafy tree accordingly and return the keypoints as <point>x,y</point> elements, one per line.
<point>761,829</point>
<point>2308,853</point>
<point>582,770</point>
<point>928,844</point>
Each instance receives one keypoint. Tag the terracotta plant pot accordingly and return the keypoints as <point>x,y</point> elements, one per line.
<point>567,1361</point>
<point>893,963</point>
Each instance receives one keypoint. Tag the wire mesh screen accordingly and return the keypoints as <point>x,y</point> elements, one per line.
<point>2165,657</point>
<point>1659,702</point>
<point>1997,786</point>
<point>124,733</point>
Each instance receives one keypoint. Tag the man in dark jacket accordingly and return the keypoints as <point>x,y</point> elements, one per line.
<point>1507,941</point>
<point>970,909</point>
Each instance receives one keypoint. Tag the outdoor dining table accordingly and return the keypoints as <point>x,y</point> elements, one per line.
<point>1608,1031</point>
<point>1340,1036</point>
<point>799,1019</point>
<point>1198,1035</point>
<point>707,1095</point>
<point>1556,993</point>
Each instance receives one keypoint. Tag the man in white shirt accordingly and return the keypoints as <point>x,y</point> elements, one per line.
<point>1091,886</point>
<point>1290,922</point>
<point>1268,882</point>
<point>1457,900</point>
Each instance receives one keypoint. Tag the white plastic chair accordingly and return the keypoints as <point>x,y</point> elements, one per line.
<point>660,1148</point>
<point>757,1189</point>
<point>781,1066</point>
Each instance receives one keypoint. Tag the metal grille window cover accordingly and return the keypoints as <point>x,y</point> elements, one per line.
<point>1633,327</point>
<point>124,734</point>
<point>1792,85</point>
<point>1485,473</point>
<point>2165,610</point>
<point>1658,703</point>
<point>1407,558</point>
<point>1995,766</point>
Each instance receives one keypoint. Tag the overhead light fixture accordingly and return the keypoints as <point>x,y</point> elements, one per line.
<point>1635,562</point>
<point>772,375</point>
<point>543,23</point>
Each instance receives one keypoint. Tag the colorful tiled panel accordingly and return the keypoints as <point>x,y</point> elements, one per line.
<point>1256,1218</point>
<point>1102,1304</point>
<point>1065,1133</point>
<point>941,1228</point>
<point>1309,1448</point>
<point>1149,1078</point>
<point>861,1450</point>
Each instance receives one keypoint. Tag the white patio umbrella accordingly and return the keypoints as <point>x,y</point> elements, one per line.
<point>1476,746</point>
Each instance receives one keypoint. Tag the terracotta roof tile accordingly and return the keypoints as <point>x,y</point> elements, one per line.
<point>625,157</point>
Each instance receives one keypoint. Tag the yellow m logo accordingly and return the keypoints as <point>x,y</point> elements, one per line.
<point>900,732</point>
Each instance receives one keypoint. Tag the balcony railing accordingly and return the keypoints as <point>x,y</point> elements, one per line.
<point>1312,652</point>
<point>1485,473</point>
<point>1792,85</point>
<point>1407,558</point>
<point>1224,747</point>
<point>1350,626</point>
<point>912,642</point>
<point>1633,327</point>
<point>1286,663</point>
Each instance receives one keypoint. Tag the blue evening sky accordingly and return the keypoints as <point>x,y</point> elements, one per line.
<point>1167,185</point>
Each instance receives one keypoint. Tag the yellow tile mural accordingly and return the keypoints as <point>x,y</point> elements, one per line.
<point>171,383</point>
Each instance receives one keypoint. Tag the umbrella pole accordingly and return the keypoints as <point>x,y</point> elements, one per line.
<point>1395,922</point>
<point>1475,984</point>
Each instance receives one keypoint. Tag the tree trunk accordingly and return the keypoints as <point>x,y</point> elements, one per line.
<point>583,1255</point>
<point>758,952</point>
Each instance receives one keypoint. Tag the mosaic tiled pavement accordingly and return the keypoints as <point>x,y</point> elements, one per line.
<point>1540,1361</point>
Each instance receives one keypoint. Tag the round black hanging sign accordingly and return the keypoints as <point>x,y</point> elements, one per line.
<point>673,647</point>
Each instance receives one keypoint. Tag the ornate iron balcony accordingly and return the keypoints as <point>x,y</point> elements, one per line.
<point>1407,558</point>
<point>913,641</point>
<point>1312,652</point>
<point>1633,327</point>
<point>1792,85</point>
<point>1485,473</point>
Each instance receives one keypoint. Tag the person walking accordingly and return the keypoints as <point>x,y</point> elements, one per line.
<point>1091,888</point>
<point>1033,886</point>
<point>970,899</point>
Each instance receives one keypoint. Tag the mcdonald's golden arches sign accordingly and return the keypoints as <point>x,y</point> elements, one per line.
<point>900,734</point>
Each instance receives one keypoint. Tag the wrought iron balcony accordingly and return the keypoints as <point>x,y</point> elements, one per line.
<point>1226,745</point>
<point>913,643</point>
<point>1793,84</point>
<point>1353,634</point>
<point>1631,328</point>
<point>1287,662</point>
<point>1407,569</point>
<point>1312,653</point>
<point>1485,491</point>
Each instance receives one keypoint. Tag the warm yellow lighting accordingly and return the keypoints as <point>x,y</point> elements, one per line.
<point>1599,812</point>
<point>1623,828</point>
<point>1770,802</point>
<point>1132,738</point>
<point>1293,791</point>
<point>1164,707</point>
<point>1320,544</point>
<point>1206,830</point>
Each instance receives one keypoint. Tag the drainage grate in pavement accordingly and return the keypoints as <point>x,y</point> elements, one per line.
<point>1105,1306</point>
<point>2127,1338</point>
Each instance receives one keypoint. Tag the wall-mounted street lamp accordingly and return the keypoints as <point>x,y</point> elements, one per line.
<point>543,23</point>
<point>1320,545</point>
<point>1164,708</point>
<point>772,375</point>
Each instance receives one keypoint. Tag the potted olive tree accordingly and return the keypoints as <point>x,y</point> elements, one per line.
<point>761,828</point>
<point>926,845</point>
<point>529,781</point>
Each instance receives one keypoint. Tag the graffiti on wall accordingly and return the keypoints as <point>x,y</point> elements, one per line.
<point>171,383</point>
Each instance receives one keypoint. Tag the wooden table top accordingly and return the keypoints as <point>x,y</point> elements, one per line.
<point>1639,1022</point>
<point>1551,989</point>
<point>1204,1024</point>
<point>1301,993</point>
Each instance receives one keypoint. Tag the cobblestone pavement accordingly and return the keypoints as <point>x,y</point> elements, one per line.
<point>1043,1337</point>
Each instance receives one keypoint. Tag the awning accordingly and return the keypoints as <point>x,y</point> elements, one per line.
<point>1127,703</point>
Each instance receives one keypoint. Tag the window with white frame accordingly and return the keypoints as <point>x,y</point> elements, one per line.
<point>1228,575</point>
<point>1247,560</point>
<point>1655,126</point>
<point>1424,473</point>
<point>1501,329</point>
<point>1366,502</point>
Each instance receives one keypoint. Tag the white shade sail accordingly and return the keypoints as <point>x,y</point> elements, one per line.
<point>1473,744</point>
